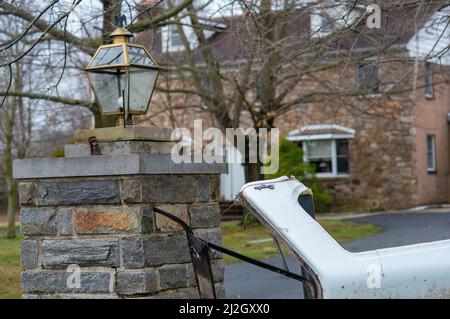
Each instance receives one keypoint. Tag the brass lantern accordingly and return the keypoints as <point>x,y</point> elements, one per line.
<point>123,77</point>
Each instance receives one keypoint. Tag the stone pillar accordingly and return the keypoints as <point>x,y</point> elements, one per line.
<point>95,213</point>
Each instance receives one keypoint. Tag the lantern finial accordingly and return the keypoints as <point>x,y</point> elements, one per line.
<point>120,35</point>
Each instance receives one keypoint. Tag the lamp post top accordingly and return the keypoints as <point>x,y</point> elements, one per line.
<point>120,35</point>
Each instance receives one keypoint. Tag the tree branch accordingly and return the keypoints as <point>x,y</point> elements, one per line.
<point>87,45</point>
<point>151,22</point>
<point>57,99</point>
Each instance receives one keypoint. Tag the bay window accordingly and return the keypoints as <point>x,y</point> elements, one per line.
<point>326,147</point>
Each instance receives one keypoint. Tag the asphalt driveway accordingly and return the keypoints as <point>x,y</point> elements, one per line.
<point>247,281</point>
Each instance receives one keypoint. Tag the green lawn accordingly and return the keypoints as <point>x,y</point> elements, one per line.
<point>9,267</point>
<point>235,237</point>
<point>255,240</point>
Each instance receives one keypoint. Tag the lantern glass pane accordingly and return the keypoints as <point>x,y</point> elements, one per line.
<point>108,89</point>
<point>137,55</point>
<point>108,56</point>
<point>142,82</point>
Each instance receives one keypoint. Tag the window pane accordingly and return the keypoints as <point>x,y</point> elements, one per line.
<point>327,24</point>
<point>320,148</point>
<point>319,154</point>
<point>142,83</point>
<point>175,39</point>
<point>108,88</point>
<point>431,159</point>
<point>108,56</point>
<point>342,147</point>
<point>138,55</point>
<point>368,76</point>
<point>256,92</point>
<point>323,165</point>
<point>206,84</point>
<point>342,156</point>
<point>428,80</point>
<point>342,165</point>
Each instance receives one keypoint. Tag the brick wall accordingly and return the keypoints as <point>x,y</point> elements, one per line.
<point>430,118</point>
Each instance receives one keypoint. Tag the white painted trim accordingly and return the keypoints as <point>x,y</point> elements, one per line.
<point>334,157</point>
<point>313,137</point>
<point>322,127</point>
<point>296,135</point>
<point>328,126</point>
<point>331,176</point>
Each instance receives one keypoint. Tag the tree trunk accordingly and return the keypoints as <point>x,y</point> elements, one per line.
<point>252,172</point>
<point>7,170</point>
<point>111,9</point>
<point>12,205</point>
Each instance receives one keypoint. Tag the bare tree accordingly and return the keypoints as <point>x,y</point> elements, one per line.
<point>273,57</point>
<point>50,42</point>
<point>279,61</point>
<point>85,40</point>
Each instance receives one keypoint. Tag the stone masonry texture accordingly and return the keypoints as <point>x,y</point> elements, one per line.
<point>38,221</point>
<point>104,230</point>
<point>84,252</point>
<point>137,282</point>
<point>78,192</point>
<point>44,281</point>
<point>29,252</point>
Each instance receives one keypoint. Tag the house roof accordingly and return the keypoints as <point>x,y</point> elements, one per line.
<point>230,44</point>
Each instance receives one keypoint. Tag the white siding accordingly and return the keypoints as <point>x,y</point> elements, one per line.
<point>231,183</point>
<point>432,40</point>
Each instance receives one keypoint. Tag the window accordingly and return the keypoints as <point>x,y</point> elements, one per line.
<point>171,39</point>
<point>326,23</point>
<point>342,156</point>
<point>368,77</point>
<point>256,92</point>
<point>428,80</point>
<point>431,153</point>
<point>175,39</point>
<point>326,146</point>
<point>206,84</point>
<point>323,23</point>
<point>330,157</point>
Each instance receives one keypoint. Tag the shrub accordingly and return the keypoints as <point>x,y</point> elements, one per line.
<point>59,152</point>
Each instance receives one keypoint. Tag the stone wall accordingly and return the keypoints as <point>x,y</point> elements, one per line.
<point>94,215</point>
<point>381,155</point>
<point>107,227</point>
<point>382,164</point>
